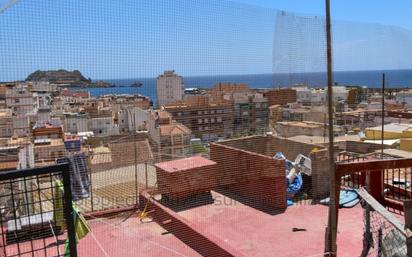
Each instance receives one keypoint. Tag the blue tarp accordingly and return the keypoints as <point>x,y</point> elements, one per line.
<point>294,187</point>
<point>347,199</point>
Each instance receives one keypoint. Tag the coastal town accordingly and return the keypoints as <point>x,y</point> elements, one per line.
<point>122,145</point>
<point>40,117</point>
<point>225,128</point>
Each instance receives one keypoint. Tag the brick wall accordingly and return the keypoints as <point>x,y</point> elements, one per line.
<point>281,96</point>
<point>255,177</point>
<point>255,144</point>
<point>185,182</point>
<point>317,184</point>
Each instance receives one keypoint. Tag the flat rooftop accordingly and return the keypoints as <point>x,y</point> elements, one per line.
<point>120,236</point>
<point>128,237</point>
<point>256,233</point>
<point>250,231</point>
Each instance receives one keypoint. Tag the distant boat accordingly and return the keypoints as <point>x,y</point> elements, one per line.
<point>137,84</point>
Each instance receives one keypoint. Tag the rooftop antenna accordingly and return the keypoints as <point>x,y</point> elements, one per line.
<point>331,231</point>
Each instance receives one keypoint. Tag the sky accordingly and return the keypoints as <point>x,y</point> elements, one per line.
<point>130,39</point>
<point>385,12</point>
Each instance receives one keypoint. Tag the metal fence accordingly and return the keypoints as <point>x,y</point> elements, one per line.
<point>396,180</point>
<point>37,213</point>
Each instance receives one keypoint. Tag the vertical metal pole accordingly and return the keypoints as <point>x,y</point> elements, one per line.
<point>330,244</point>
<point>145,174</point>
<point>89,170</point>
<point>135,162</point>
<point>68,211</point>
<point>407,208</point>
<point>383,113</point>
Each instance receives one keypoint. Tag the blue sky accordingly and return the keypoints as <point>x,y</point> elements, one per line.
<point>385,12</point>
<point>126,39</point>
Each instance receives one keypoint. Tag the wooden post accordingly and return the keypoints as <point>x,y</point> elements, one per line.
<point>407,207</point>
<point>331,232</point>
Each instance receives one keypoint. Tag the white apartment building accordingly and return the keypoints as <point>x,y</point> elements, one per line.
<point>21,101</point>
<point>303,94</point>
<point>170,88</point>
<point>76,123</point>
<point>308,96</point>
<point>340,93</point>
<point>404,97</point>
<point>43,87</point>
<point>103,126</point>
<point>132,118</point>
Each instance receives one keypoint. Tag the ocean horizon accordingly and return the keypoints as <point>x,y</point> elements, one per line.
<point>370,79</point>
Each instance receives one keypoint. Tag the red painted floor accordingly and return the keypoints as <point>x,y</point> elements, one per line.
<point>114,238</point>
<point>259,234</point>
<point>252,232</point>
<point>111,238</point>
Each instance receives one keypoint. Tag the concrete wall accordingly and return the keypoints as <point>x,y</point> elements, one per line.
<point>406,144</point>
<point>362,147</point>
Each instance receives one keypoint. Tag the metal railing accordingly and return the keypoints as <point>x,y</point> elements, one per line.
<point>37,216</point>
<point>388,178</point>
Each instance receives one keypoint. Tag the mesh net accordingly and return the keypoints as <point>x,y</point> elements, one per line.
<point>381,238</point>
<point>173,115</point>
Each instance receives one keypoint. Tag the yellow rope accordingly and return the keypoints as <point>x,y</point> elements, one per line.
<point>143,214</point>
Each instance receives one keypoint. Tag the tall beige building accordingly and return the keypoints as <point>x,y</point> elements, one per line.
<point>170,88</point>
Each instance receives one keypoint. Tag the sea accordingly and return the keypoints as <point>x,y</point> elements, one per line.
<point>370,79</point>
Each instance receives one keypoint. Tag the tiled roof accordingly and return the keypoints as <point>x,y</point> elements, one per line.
<point>10,165</point>
<point>173,129</point>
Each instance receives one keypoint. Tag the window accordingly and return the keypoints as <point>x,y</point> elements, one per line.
<point>199,121</point>
<point>17,100</point>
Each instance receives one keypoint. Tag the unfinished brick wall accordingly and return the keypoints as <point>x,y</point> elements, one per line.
<point>317,184</point>
<point>255,177</point>
<point>291,149</point>
<point>255,144</point>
